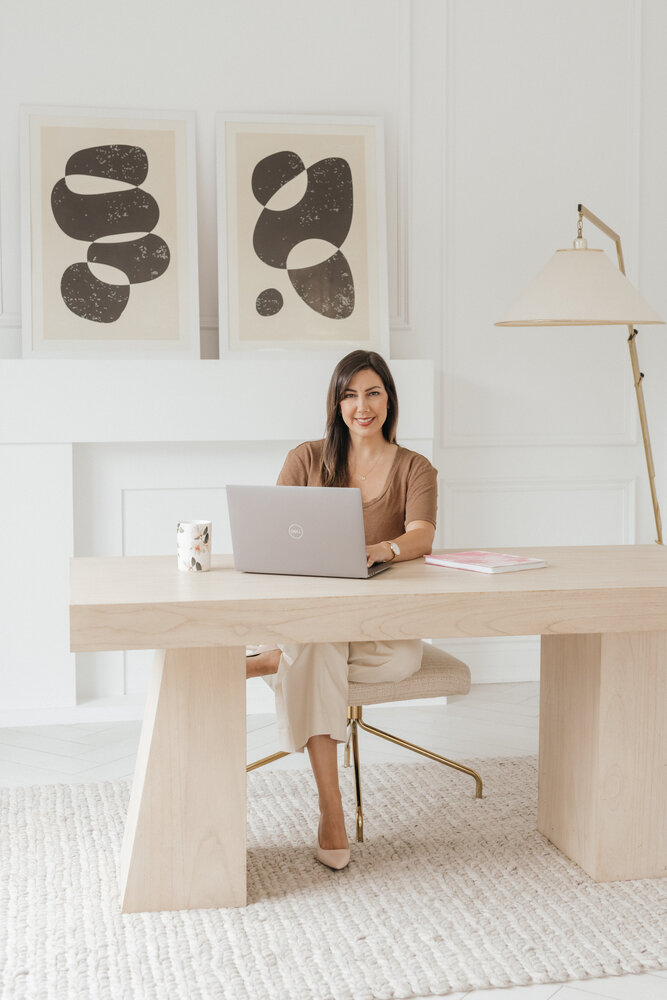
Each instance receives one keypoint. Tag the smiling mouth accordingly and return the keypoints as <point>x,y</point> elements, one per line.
<point>364,420</point>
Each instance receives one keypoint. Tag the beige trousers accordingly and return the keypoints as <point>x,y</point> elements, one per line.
<point>311,683</point>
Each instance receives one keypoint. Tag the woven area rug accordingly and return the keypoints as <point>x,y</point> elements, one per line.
<point>448,893</point>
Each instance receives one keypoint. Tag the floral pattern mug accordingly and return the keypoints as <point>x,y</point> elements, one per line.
<point>193,546</point>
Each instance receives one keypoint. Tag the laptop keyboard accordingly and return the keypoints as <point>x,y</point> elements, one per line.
<point>377,568</point>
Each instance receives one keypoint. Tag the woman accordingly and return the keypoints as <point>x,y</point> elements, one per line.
<point>399,496</point>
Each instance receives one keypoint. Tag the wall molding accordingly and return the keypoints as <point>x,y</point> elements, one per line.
<point>626,437</point>
<point>400,320</point>
<point>447,224</point>
<point>10,336</point>
<point>625,486</point>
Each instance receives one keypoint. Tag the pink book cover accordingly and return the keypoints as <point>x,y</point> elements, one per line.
<point>482,561</point>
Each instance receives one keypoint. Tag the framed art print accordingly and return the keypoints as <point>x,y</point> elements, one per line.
<point>302,235</point>
<point>109,234</point>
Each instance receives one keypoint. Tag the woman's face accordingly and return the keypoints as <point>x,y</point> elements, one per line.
<point>364,404</point>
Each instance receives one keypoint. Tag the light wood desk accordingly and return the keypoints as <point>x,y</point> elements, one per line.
<point>602,615</point>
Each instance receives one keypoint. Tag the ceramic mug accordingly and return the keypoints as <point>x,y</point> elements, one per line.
<point>193,546</point>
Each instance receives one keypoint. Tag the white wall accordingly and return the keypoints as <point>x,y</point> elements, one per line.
<point>500,118</point>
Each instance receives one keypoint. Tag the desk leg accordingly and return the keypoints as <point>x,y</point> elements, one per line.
<point>603,752</point>
<point>185,836</point>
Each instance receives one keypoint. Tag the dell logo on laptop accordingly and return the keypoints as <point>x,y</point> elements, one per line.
<point>295,531</point>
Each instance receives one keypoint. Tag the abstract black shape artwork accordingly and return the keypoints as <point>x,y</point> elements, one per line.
<point>115,162</point>
<point>93,217</point>
<point>88,297</point>
<point>324,213</point>
<point>302,245</point>
<point>269,302</point>
<point>140,260</point>
<point>327,287</point>
<point>273,172</point>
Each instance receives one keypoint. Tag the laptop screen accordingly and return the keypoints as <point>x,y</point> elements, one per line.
<point>298,530</point>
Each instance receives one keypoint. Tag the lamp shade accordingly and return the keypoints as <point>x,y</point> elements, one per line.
<point>579,287</point>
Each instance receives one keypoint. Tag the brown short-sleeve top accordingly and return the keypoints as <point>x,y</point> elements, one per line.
<point>410,492</point>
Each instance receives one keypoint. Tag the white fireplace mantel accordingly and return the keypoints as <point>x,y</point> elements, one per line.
<point>49,407</point>
<point>62,402</point>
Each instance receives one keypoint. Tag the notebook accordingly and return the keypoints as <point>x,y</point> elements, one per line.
<point>299,531</point>
<point>482,561</point>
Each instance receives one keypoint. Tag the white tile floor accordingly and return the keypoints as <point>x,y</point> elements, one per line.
<point>493,720</point>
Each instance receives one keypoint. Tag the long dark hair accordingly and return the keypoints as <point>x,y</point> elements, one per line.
<point>337,435</point>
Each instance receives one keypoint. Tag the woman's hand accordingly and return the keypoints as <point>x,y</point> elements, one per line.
<point>381,552</point>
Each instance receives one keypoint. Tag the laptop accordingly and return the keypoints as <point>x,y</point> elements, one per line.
<point>299,531</point>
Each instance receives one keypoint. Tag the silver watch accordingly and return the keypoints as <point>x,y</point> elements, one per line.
<point>394,548</point>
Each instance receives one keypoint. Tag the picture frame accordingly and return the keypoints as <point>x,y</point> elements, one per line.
<point>109,233</point>
<point>302,246</point>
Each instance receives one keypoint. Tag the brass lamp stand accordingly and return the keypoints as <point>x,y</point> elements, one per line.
<point>637,375</point>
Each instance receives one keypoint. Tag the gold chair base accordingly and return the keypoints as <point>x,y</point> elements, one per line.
<point>266,760</point>
<point>355,720</point>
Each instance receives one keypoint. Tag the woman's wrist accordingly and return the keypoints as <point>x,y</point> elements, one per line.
<point>393,550</point>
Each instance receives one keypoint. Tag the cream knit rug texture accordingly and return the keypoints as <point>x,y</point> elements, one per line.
<point>448,893</point>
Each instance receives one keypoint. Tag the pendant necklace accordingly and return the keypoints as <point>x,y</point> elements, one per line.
<point>362,475</point>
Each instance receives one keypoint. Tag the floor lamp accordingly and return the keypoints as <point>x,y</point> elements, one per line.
<point>581,287</point>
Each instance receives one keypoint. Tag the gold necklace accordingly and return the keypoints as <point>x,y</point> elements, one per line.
<point>362,475</point>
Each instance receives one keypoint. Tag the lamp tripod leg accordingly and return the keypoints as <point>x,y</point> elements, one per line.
<point>638,377</point>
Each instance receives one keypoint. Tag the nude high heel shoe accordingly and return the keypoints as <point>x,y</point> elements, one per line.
<point>335,859</point>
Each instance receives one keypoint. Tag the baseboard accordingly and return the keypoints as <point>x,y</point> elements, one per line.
<point>127,708</point>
